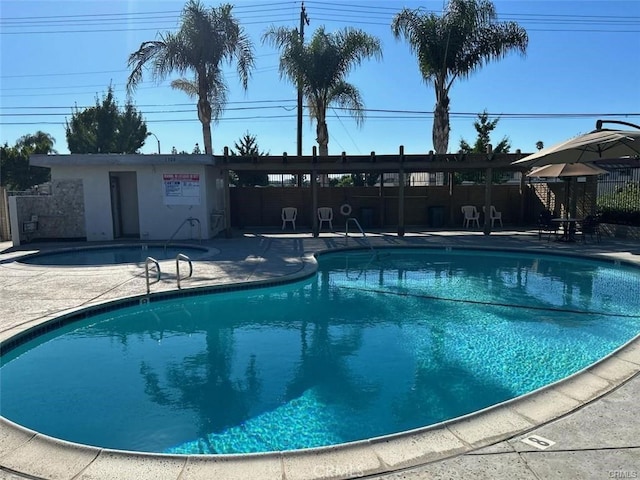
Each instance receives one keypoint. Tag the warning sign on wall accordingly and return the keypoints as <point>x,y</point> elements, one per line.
<point>181,188</point>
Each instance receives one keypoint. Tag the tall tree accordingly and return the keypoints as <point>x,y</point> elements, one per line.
<point>362,179</point>
<point>484,126</point>
<point>322,66</point>
<point>455,45</point>
<point>247,146</point>
<point>104,128</point>
<point>206,38</point>
<point>17,174</point>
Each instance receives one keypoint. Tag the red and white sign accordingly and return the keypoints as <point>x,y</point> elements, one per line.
<point>181,188</point>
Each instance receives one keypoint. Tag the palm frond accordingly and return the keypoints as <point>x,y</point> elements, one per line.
<point>347,96</point>
<point>147,52</point>
<point>187,86</point>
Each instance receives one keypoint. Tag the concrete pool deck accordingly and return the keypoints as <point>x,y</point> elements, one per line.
<point>591,418</point>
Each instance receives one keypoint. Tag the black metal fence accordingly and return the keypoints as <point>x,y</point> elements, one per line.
<point>618,198</point>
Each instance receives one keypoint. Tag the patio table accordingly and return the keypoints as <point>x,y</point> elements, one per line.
<point>568,225</point>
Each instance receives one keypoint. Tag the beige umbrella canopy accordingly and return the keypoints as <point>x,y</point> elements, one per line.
<point>597,145</point>
<point>566,170</point>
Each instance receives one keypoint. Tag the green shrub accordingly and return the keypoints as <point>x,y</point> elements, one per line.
<point>622,206</point>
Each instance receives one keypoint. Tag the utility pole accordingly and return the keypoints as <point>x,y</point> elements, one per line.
<point>303,19</point>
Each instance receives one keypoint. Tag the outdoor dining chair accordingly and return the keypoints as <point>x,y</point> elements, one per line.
<point>547,225</point>
<point>289,214</point>
<point>470,215</point>
<point>590,226</point>
<point>493,215</point>
<point>325,215</point>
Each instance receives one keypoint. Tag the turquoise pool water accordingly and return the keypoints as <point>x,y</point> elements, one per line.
<point>365,348</point>
<point>112,255</point>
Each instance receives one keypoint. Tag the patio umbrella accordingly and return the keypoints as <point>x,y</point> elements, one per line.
<point>590,147</point>
<point>566,170</point>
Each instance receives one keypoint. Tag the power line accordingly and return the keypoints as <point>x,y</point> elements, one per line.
<point>329,9</point>
<point>61,74</point>
<point>290,19</point>
<point>404,116</point>
<point>377,9</point>
<point>349,20</point>
<point>191,110</point>
<point>113,21</point>
<point>75,74</point>
<point>345,131</point>
<point>40,107</point>
<point>281,19</point>
<point>134,14</point>
<point>257,71</point>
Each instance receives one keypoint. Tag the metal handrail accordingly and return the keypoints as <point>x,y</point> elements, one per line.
<point>364,235</point>
<point>182,256</point>
<point>375,253</point>
<point>190,220</point>
<point>146,271</point>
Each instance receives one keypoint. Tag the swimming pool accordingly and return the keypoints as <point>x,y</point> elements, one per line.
<point>111,255</point>
<point>320,357</point>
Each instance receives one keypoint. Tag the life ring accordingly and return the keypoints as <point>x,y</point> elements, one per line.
<point>345,209</point>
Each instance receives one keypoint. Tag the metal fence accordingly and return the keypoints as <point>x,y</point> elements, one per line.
<point>618,198</point>
<point>620,189</point>
<point>43,189</point>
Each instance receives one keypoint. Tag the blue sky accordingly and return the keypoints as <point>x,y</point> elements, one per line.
<point>583,63</point>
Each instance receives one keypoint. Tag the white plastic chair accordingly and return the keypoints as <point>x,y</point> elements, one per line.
<point>493,215</point>
<point>289,214</point>
<point>325,214</point>
<point>470,215</point>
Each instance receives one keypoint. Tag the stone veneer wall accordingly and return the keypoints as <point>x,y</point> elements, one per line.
<point>60,214</point>
<point>5,230</point>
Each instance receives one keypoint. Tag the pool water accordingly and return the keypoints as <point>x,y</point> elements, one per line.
<point>112,255</point>
<point>367,347</point>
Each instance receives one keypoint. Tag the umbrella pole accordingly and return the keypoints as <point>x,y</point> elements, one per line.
<point>567,197</point>
<point>573,200</point>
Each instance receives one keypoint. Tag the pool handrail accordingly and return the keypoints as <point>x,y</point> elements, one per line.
<point>364,235</point>
<point>190,220</point>
<point>182,256</point>
<point>146,271</point>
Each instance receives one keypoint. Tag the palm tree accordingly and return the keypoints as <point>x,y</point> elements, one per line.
<point>456,44</point>
<point>39,142</point>
<point>205,39</point>
<point>321,67</point>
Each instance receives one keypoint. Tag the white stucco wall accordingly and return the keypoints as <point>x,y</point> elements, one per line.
<point>159,221</point>
<point>215,200</point>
